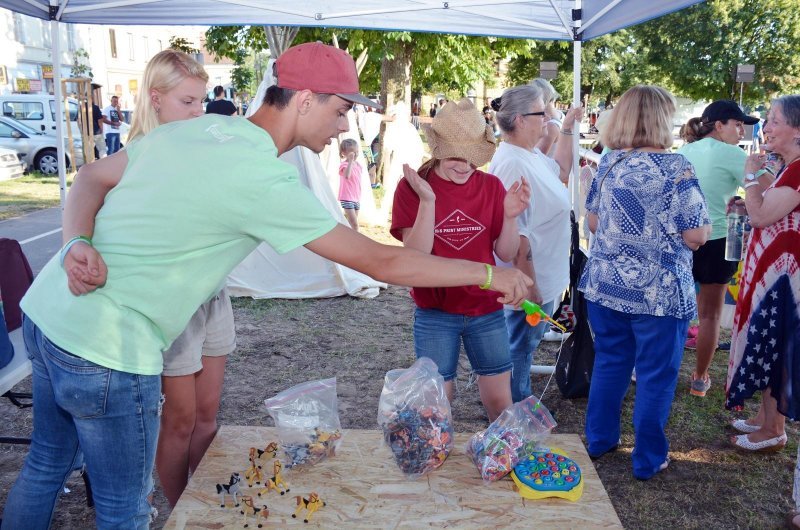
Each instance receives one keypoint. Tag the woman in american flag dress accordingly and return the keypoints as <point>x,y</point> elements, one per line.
<point>765,347</point>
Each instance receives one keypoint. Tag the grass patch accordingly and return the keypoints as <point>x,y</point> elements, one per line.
<point>31,192</point>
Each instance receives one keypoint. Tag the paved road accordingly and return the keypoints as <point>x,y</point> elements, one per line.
<point>39,233</point>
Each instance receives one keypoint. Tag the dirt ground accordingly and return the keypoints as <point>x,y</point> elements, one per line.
<point>285,342</point>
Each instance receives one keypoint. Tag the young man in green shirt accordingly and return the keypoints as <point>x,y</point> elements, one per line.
<point>197,196</point>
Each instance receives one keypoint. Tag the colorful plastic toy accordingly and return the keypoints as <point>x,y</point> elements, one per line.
<point>322,444</point>
<point>535,314</point>
<point>250,509</point>
<point>276,482</point>
<point>311,504</point>
<point>253,474</point>
<point>548,473</point>
<point>271,450</point>
<point>420,438</point>
<point>231,488</point>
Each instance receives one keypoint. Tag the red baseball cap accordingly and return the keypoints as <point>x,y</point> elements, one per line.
<point>321,69</point>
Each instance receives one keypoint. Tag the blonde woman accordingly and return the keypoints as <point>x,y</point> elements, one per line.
<point>174,86</point>
<point>648,214</point>
<point>553,118</point>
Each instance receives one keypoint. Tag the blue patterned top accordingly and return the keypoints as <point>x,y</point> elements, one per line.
<point>639,263</point>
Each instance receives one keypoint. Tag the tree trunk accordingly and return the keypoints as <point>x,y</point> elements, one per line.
<point>395,85</point>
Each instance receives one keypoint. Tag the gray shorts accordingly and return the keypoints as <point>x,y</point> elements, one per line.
<point>210,332</point>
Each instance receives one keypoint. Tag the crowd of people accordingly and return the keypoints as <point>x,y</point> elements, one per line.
<point>129,326</point>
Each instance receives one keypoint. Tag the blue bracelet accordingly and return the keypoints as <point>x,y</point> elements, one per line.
<point>76,239</point>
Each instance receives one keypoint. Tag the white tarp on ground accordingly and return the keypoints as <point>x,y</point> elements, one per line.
<point>299,273</point>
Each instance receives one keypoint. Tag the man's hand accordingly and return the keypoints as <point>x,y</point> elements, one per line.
<point>513,284</point>
<point>85,268</point>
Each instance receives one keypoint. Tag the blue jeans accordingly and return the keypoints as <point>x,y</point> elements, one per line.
<point>110,418</point>
<point>654,345</point>
<point>523,341</point>
<point>438,336</point>
<point>112,143</point>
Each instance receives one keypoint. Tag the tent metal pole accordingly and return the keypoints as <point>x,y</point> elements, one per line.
<point>574,182</point>
<point>55,39</point>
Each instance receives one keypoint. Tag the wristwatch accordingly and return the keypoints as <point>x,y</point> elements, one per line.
<point>750,177</point>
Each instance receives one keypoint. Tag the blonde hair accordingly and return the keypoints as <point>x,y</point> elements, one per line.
<point>642,118</point>
<point>164,72</point>
<point>549,93</point>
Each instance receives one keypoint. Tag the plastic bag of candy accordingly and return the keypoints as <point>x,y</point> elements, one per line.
<point>307,420</point>
<point>415,416</point>
<point>512,436</point>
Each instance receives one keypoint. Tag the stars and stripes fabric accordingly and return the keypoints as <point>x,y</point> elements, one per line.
<point>765,346</point>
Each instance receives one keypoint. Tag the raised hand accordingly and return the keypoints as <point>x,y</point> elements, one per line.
<point>418,184</point>
<point>518,198</point>
<point>85,268</point>
<point>574,114</point>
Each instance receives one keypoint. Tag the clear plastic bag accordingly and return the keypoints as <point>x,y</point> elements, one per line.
<point>512,436</point>
<point>307,420</point>
<point>415,416</point>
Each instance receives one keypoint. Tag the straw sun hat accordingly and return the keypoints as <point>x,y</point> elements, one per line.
<point>459,131</point>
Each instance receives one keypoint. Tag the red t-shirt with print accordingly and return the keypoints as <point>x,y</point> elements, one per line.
<point>468,220</point>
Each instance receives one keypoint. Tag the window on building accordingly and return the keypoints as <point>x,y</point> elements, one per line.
<point>45,25</point>
<point>146,46</point>
<point>131,48</point>
<point>160,45</point>
<point>71,40</point>
<point>20,35</point>
<point>112,38</point>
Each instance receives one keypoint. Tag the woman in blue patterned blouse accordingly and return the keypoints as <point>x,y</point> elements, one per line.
<point>648,215</point>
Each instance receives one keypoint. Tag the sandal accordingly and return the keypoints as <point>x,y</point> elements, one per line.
<point>772,445</point>
<point>744,427</point>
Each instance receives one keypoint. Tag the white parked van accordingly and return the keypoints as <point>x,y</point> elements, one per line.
<point>38,111</point>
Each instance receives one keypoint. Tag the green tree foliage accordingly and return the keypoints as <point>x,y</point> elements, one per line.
<point>696,50</point>
<point>181,44</point>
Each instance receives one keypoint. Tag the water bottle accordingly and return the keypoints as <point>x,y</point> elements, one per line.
<point>734,241</point>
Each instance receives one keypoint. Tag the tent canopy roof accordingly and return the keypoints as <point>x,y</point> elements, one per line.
<point>533,19</point>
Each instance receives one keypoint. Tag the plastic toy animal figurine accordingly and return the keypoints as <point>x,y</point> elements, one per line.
<point>271,450</point>
<point>312,504</point>
<point>253,474</point>
<point>276,482</point>
<point>250,509</point>
<point>231,488</point>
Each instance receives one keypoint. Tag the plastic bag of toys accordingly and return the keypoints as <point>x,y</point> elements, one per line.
<point>415,416</point>
<point>512,436</point>
<point>307,420</point>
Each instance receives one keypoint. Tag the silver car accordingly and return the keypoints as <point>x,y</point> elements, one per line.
<point>10,166</point>
<point>36,150</point>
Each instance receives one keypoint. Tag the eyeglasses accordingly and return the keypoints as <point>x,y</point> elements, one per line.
<point>541,113</point>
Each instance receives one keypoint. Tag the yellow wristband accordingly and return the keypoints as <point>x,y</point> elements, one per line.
<point>489,275</point>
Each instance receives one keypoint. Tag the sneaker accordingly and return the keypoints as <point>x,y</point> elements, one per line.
<point>691,343</point>
<point>693,331</point>
<point>699,387</point>
<point>554,336</point>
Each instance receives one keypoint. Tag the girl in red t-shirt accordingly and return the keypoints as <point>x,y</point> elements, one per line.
<point>454,210</point>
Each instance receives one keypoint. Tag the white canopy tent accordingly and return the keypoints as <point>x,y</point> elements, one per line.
<point>572,20</point>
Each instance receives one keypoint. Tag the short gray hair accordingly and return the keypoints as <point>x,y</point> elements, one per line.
<point>549,93</point>
<point>790,108</point>
<point>515,101</point>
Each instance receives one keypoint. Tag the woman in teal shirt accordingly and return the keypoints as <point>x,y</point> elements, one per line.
<point>712,148</point>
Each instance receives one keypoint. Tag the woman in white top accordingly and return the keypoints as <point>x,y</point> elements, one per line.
<point>544,226</point>
<point>552,116</point>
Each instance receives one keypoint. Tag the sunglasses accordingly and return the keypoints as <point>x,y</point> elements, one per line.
<point>533,114</point>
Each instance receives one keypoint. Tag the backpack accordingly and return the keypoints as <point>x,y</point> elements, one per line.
<point>574,367</point>
<point>15,278</point>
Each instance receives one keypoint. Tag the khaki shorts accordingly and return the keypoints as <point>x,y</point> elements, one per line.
<point>210,332</point>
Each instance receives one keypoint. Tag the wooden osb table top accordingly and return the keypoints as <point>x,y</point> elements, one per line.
<point>363,488</point>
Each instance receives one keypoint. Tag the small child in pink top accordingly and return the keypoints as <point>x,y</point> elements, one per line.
<point>350,182</point>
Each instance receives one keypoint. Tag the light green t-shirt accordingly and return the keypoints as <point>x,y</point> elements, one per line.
<point>196,198</point>
<point>720,171</point>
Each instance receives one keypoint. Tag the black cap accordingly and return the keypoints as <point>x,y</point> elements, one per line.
<point>724,110</point>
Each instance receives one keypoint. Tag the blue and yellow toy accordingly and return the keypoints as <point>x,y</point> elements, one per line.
<point>548,473</point>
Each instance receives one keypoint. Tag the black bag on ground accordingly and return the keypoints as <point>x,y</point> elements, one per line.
<point>574,366</point>
<point>15,278</point>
